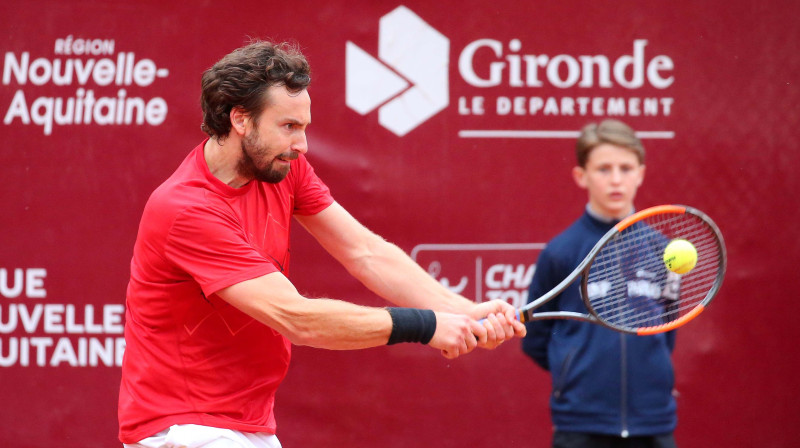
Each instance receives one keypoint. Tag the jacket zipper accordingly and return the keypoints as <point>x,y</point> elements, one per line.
<point>624,387</point>
<point>563,377</point>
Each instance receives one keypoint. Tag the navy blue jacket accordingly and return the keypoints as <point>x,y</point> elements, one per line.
<point>604,382</point>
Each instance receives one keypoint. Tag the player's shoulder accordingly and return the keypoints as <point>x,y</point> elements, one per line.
<point>568,237</point>
<point>169,196</point>
<point>570,244</point>
<point>186,188</point>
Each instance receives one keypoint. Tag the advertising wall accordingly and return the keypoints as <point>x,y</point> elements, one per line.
<point>446,127</point>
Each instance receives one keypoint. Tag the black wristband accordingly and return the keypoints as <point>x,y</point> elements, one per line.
<point>411,325</point>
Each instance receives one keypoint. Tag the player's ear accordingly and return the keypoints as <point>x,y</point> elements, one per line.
<point>238,120</point>
<point>579,175</point>
<point>641,176</point>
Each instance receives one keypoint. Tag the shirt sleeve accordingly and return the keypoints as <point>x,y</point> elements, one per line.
<point>209,244</point>
<point>311,194</point>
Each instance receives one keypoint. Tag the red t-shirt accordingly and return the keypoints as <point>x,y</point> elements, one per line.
<point>190,357</point>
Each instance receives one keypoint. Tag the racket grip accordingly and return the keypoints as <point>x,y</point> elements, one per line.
<point>516,313</point>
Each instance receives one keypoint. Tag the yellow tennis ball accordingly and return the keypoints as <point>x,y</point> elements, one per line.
<point>680,256</point>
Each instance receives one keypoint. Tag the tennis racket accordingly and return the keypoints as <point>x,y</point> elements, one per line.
<point>625,284</point>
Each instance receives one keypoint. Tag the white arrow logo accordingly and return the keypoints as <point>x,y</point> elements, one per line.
<point>411,73</point>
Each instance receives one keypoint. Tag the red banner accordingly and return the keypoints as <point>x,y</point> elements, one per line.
<point>447,128</point>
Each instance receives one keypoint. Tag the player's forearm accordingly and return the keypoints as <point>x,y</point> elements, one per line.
<point>383,267</point>
<point>387,271</point>
<point>332,324</point>
<point>272,300</point>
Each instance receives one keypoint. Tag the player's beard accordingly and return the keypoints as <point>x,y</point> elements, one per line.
<point>253,151</point>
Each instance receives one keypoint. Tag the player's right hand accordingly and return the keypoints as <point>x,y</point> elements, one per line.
<point>456,334</point>
<point>499,318</point>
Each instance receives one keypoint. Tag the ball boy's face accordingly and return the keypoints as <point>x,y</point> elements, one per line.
<point>611,176</point>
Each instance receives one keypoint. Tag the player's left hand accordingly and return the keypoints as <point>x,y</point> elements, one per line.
<point>500,322</point>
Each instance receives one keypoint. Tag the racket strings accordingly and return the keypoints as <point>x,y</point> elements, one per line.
<point>628,284</point>
<point>628,311</point>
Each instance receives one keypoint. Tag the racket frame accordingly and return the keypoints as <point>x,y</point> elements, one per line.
<point>526,314</point>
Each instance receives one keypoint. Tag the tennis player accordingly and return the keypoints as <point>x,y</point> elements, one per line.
<point>211,315</point>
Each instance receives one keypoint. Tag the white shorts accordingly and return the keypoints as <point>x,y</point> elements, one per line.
<point>196,436</point>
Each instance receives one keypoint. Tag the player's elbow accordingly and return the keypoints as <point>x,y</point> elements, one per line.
<point>294,327</point>
<point>305,330</point>
<point>304,337</point>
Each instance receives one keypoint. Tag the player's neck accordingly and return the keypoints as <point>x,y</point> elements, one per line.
<point>607,217</point>
<point>222,160</point>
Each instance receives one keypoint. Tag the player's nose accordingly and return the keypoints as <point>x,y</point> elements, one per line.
<point>300,143</point>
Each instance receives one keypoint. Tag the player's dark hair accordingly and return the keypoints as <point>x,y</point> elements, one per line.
<point>241,79</point>
<point>614,132</point>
